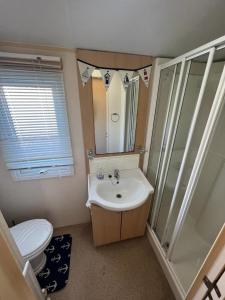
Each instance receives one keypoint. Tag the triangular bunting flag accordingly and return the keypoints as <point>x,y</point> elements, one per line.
<point>107,75</point>
<point>85,71</point>
<point>145,74</point>
<point>126,77</point>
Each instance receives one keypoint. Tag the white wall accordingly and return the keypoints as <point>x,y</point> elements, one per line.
<point>62,200</point>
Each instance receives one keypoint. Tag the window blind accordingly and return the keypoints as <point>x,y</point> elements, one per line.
<point>34,130</point>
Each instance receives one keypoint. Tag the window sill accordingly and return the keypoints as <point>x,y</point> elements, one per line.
<point>42,173</point>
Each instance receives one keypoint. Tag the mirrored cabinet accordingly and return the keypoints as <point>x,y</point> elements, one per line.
<point>114,99</point>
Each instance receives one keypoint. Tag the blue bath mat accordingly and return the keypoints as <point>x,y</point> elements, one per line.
<point>55,274</point>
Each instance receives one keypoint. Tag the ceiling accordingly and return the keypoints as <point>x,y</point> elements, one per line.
<point>158,27</point>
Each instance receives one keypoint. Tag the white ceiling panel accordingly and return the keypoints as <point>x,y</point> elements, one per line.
<point>157,27</point>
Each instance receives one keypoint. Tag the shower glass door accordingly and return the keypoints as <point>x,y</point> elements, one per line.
<point>169,78</point>
<point>190,108</point>
<point>165,97</point>
<point>194,137</point>
<point>189,203</point>
<point>206,213</point>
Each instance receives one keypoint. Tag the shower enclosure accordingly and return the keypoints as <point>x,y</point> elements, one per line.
<point>187,160</point>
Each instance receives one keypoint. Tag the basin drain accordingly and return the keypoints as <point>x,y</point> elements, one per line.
<point>118,196</point>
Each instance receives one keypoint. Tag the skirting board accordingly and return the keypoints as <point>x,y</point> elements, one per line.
<point>174,283</point>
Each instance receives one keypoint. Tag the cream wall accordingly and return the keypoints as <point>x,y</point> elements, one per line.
<point>61,200</point>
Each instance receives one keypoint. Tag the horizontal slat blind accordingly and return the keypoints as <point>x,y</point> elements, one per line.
<point>34,129</point>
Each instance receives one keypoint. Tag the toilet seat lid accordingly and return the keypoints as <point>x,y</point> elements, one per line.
<point>32,236</point>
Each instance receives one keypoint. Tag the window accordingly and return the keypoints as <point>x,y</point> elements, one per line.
<point>34,132</point>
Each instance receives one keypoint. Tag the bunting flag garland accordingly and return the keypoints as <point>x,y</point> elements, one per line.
<point>85,71</point>
<point>126,77</point>
<point>145,74</point>
<point>107,75</point>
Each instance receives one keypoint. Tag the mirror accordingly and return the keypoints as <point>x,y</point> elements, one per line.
<point>115,113</point>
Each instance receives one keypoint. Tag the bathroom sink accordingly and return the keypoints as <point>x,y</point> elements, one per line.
<point>129,192</point>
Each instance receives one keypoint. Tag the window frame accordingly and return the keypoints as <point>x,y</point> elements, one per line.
<point>63,128</point>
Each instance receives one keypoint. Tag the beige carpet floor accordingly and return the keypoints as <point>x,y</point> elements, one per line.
<point>126,270</point>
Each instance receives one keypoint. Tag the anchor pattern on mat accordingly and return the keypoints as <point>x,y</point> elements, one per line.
<point>55,274</point>
<point>59,238</point>
<point>51,287</point>
<point>45,273</point>
<point>50,249</point>
<point>63,269</point>
<point>56,258</point>
<point>66,246</point>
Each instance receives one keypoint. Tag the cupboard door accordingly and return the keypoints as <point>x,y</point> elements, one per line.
<point>105,225</point>
<point>134,221</point>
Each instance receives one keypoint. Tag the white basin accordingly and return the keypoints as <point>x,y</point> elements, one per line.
<point>132,190</point>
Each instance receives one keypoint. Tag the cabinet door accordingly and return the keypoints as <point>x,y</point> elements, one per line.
<point>105,225</point>
<point>134,221</point>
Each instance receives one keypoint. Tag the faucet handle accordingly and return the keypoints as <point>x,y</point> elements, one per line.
<point>116,171</point>
<point>117,174</point>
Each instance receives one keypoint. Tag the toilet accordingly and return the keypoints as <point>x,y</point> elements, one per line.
<point>32,238</point>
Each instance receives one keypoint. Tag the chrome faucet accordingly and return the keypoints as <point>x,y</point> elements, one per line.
<point>117,174</point>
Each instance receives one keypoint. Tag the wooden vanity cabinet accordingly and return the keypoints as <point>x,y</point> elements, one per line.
<point>133,222</point>
<point>112,226</point>
<point>105,225</point>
